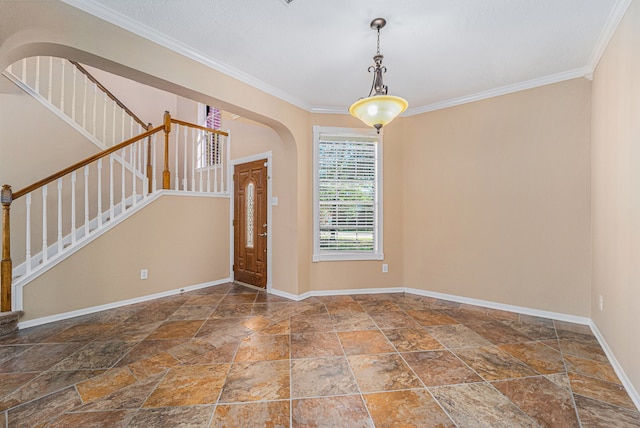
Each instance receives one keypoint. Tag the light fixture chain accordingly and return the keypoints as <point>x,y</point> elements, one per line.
<point>378,52</point>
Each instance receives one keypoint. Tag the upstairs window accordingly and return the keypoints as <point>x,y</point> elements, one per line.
<point>347,194</point>
<point>209,144</point>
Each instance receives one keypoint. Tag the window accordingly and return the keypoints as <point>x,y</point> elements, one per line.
<point>347,194</point>
<point>208,150</point>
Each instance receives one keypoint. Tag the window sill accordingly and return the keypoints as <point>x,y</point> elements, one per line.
<point>347,257</point>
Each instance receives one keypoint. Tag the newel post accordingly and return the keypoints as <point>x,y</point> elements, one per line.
<point>6,268</point>
<point>149,164</point>
<point>166,175</point>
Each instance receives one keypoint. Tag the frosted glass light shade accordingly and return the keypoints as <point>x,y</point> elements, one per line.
<point>378,109</point>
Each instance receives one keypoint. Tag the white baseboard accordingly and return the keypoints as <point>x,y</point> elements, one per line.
<point>317,293</point>
<point>93,309</point>
<point>633,393</point>
<point>501,306</point>
<point>453,298</point>
<point>287,295</point>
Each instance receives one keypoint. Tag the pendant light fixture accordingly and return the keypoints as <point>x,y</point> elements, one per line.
<point>378,109</point>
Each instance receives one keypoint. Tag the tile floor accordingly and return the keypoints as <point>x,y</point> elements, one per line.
<point>229,356</point>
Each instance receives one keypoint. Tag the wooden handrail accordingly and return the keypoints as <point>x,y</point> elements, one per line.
<point>191,125</point>
<point>109,94</point>
<point>83,163</point>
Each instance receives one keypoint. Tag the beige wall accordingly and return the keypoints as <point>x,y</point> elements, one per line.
<point>181,240</point>
<point>34,142</point>
<point>148,103</point>
<point>615,182</point>
<point>496,199</point>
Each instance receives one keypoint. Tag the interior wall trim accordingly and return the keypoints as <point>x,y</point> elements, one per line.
<point>631,390</point>
<point>99,308</point>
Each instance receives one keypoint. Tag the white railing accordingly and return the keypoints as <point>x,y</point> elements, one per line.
<point>54,218</point>
<point>71,91</point>
<point>200,159</point>
<point>69,208</point>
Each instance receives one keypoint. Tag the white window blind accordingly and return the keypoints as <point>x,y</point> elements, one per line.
<point>347,195</point>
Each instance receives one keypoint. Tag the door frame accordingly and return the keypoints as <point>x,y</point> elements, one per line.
<point>233,162</point>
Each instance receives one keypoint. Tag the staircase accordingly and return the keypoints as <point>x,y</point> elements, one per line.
<point>56,216</point>
<point>71,92</point>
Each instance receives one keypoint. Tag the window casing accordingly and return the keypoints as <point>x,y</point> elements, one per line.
<point>347,201</point>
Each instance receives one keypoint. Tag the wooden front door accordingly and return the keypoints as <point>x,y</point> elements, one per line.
<point>250,223</point>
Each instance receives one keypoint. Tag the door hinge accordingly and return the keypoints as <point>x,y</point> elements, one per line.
<point>233,222</point>
<point>233,268</point>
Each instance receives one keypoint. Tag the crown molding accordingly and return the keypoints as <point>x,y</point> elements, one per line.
<point>585,72</point>
<point>99,11</point>
<point>330,110</point>
<point>509,89</point>
<point>617,13</point>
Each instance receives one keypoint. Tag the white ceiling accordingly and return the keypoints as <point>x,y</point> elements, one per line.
<point>315,53</point>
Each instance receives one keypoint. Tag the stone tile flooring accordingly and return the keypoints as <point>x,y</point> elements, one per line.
<point>230,356</point>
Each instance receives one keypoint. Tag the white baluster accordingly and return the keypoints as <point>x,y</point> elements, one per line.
<point>209,137</point>
<point>216,153</point>
<point>104,118</point>
<point>84,104</point>
<point>111,210</point>
<point>62,61</point>
<point>123,197</point>
<point>100,193</point>
<point>140,150</point>
<point>132,153</point>
<point>122,138</point>
<point>73,93</point>
<point>37,82</point>
<point>185,186</point>
<point>24,70</point>
<point>50,90</point>
<point>86,200</point>
<point>73,207</point>
<point>145,181</point>
<point>154,163</point>
<point>131,127</point>
<point>28,234</point>
<point>59,215</point>
<point>113,124</point>
<point>226,162</point>
<point>94,114</point>
<point>202,147</point>
<point>193,160</point>
<point>45,256</point>
<point>176,181</point>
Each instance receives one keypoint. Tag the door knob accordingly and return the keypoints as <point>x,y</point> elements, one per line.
<point>262,234</point>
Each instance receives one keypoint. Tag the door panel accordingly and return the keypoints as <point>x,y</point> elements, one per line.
<point>250,223</point>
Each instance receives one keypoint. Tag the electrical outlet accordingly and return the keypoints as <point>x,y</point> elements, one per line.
<point>144,273</point>
<point>601,302</point>
<point>385,268</point>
